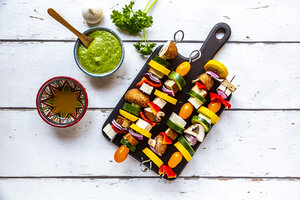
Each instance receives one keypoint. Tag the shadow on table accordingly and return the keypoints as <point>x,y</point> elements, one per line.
<point>72,132</point>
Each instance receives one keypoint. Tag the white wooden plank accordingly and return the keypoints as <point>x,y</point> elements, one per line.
<point>243,143</point>
<point>267,75</point>
<point>265,20</point>
<point>61,189</point>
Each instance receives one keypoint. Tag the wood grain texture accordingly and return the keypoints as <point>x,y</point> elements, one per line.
<point>226,189</point>
<point>266,20</point>
<point>265,73</point>
<point>249,154</point>
<point>243,143</point>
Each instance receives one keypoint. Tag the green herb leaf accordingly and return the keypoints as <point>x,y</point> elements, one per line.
<point>145,49</point>
<point>130,21</point>
<point>134,23</point>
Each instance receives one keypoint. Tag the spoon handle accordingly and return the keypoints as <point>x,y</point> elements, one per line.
<point>84,39</point>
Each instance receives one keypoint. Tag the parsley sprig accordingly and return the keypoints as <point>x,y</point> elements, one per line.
<point>134,22</point>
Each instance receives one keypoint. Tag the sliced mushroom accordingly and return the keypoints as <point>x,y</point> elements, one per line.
<point>159,115</point>
<point>197,131</point>
<point>154,118</point>
<point>149,114</point>
<point>157,144</point>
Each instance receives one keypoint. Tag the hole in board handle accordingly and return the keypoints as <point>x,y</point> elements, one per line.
<point>220,33</point>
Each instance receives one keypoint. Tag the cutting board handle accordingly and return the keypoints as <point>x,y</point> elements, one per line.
<point>212,44</point>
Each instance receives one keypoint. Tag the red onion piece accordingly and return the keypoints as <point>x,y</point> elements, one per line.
<point>213,74</point>
<point>155,151</point>
<point>221,93</point>
<point>136,135</point>
<point>191,139</point>
<point>167,91</point>
<point>152,78</point>
<point>118,126</point>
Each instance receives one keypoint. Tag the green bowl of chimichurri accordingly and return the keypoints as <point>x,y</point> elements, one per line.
<point>105,54</point>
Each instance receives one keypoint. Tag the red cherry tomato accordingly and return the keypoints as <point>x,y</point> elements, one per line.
<point>121,154</point>
<point>186,110</point>
<point>183,68</point>
<point>215,105</point>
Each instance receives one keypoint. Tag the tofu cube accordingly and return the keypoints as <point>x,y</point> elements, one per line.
<point>143,124</point>
<point>146,88</point>
<point>224,89</point>
<point>177,120</point>
<point>159,102</point>
<point>201,92</point>
<point>170,84</point>
<point>195,102</point>
<point>109,131</point>
<point>156,73</point>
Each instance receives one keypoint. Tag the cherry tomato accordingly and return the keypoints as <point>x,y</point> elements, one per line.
<point>183,68</point>
<point>175,159</point>
<point>215,105</point>
<point>121,154</point>
<point>186,110</point>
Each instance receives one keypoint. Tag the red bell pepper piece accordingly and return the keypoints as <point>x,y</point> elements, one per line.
<point>146,119</point>
<point>166,139</point>
<point>165,169</point>
<point>214,96</point>
<point>144,80</point>
<point>118,131</point>
<point>201,86</point>
<point>154,108</point>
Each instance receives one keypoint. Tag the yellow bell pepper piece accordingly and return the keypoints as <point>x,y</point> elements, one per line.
<point>128,115</point>
<point>140,130</point>
<point>183,151</point>
<point>152,156</point>
<point>159,67</point>
<point>165,97</point>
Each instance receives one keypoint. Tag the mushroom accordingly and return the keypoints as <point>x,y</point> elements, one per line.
<point>197,131</point>
<point>137,97</point>
<point>206,80</point>
<point>157,144</point>
<point>154,118</point>
<point>168,51</point>
<point>159,115</point>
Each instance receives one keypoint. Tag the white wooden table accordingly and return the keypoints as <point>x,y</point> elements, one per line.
<point>252,153</point>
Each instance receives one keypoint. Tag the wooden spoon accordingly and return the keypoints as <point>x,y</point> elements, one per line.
<point>86,40</point>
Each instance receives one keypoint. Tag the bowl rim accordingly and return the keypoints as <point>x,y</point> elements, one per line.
<point>75,50</point>
<point>84,109</point>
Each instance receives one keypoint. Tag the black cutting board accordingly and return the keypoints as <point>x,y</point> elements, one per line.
<point>208,50</point>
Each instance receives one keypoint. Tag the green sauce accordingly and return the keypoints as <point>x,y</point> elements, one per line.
<point>103,55</point>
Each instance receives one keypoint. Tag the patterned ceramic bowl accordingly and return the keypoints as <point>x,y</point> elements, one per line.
<point>62,101</point>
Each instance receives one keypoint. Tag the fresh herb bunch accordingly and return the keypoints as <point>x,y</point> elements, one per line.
<point>145,48</point>
<point>134,23</point>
